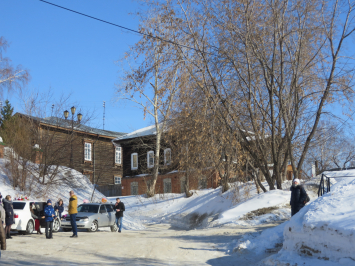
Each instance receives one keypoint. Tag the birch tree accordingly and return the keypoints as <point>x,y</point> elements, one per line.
<point>151,81</point>
<point>11,77</point>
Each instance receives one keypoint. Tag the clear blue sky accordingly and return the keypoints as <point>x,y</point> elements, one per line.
<point>69,53</point>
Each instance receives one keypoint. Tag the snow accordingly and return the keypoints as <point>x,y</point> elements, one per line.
<point>146,131</point>
<point>81,186</point>
<point>268,199</point>
<point>207,208</point>
<point>321,233</point>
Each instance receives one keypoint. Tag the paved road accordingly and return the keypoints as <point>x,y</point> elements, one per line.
<point>157,245</point>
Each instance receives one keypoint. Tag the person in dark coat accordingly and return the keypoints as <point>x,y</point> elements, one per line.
<point>59,206</point>
<point>298,197</point>
<point>49,216</point>
<point>119,208</point>
<point>9,220</point>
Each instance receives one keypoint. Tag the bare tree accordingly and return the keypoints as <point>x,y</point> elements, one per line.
<point>272,68</point>
<point>10,77</point>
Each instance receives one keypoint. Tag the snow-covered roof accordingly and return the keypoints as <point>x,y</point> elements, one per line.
<point>146,131</point>
<point>56,121</point>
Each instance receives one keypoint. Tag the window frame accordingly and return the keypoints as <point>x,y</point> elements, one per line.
<point>165,161</point>
<point>114,180</point>
<point>85,149</point>
<point>118,150</point>
<point>132,167</point>
<point>148,161</point>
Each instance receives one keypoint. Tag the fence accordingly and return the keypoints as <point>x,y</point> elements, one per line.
<point>324,185</point>
<point>110,190</point>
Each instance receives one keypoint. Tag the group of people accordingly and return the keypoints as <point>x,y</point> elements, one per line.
<point>48,214</point>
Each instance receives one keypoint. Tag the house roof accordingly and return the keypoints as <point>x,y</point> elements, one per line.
<point>59,122</point>
<point>146,131</point>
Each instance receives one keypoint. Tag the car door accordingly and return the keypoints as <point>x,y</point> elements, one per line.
<point>103,216</point>
<point>111,215</point>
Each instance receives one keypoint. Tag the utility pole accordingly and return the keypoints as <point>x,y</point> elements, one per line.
<point>103,120</point>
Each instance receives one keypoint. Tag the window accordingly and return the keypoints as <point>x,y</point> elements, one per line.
<point>167,185</point>
<point>87,151</point>
<point>134,161</point>
<point>202,182</point>
<point>117,180</point>
<point>102,209</point>
<point>109,207</point>
<point>118,153</point>
<point>134,188</point>
<point>150,159</point>
<point>167,156</point>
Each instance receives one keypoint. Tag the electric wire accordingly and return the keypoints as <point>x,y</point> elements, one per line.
<point>125,28</point>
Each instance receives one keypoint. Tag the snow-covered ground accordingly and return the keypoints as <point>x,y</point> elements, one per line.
<point>208,208</point>
<point>322,233</point>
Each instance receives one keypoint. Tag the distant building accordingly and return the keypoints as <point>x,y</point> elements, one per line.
<point>138,149</point>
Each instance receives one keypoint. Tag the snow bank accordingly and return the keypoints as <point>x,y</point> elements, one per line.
<point>207,208</point>
<point>323,233</point>
<point>264,200</point>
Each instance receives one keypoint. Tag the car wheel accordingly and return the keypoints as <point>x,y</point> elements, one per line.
<point>56,225</point>
<point>66,229</point>
<point>94,226</point>
<point>29,227</point>
<point>114,228</point>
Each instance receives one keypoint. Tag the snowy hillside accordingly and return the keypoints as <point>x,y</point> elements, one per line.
<point>81,186</point>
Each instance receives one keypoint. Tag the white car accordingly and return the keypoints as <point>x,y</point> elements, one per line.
<point>24,223</point>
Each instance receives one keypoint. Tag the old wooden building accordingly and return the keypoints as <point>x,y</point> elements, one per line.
<point>86,149</point>
<point>138,149</point>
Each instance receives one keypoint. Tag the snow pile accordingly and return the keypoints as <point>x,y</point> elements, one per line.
<point>322,233</point>
<point>209,207</point>
<point>266,241</point>
<point>271,198</point>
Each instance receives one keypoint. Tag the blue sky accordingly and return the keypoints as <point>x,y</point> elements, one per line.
<point>71,54</point>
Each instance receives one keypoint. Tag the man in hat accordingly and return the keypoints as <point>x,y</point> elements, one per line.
<point>49,216</point>
<point>298,196</point>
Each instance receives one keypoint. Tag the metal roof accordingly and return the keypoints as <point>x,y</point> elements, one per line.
<point>56,121</point>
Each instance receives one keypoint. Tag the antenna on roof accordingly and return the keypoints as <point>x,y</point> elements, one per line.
<point>103,120</point>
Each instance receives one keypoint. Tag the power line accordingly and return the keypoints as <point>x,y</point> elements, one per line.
<point>125,28</point>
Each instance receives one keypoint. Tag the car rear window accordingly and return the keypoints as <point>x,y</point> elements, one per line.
<point>19,205</point>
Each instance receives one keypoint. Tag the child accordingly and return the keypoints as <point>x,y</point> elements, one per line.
<point>49,215</point>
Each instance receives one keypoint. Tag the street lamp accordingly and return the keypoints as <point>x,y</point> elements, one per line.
<point>79,117</point>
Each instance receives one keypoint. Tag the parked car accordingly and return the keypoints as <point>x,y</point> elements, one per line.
<point>92,216</point>
<point>24,223</point>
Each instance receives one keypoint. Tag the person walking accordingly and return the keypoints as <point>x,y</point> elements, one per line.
<point>120,208</point>
<point>59,207</point>
<point>298,197</point>
<point>49,215</point>
<point>9,210</point>
<point>72,210</point>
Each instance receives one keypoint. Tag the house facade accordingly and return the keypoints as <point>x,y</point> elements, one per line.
<point>86,149</point>
<point>138,150</point>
